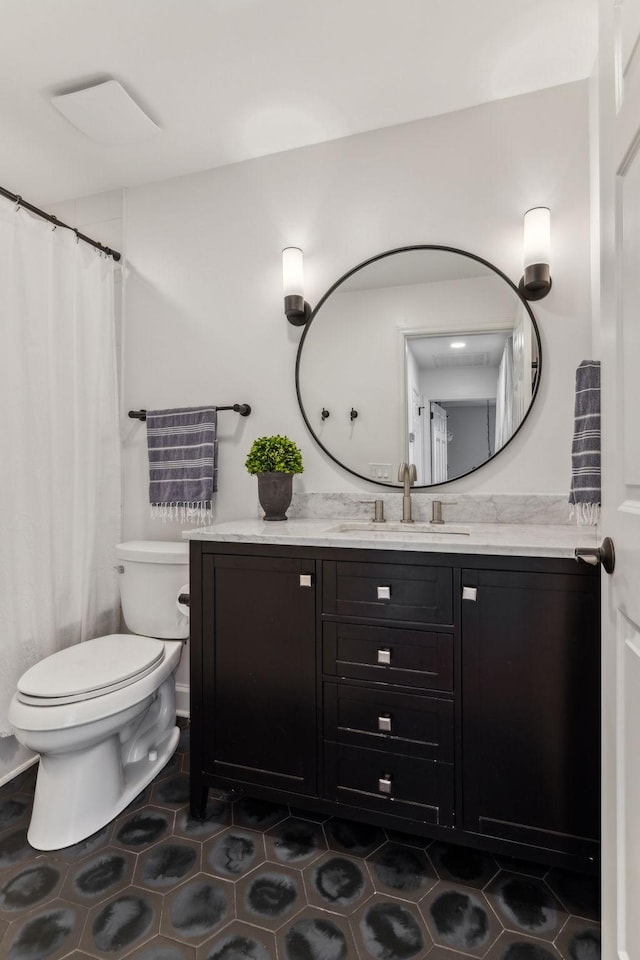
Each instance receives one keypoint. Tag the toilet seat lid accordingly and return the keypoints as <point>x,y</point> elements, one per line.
<point>90,669</point>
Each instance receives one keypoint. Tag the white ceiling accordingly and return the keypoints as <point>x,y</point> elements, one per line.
<point>227,80</point>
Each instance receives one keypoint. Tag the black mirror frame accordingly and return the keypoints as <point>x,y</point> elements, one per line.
<point>381,256</point>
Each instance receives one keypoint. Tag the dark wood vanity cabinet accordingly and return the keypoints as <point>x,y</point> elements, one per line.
<point>454,696</point>
<point>531,719</point>
<point>257,674</point>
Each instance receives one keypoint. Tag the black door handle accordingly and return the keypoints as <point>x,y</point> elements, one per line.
<point>606,555</point>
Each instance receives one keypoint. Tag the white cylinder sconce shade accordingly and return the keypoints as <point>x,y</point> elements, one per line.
<point>536,282</point>
<point>293,272</point>
<point>297,310</point>
<point>537,236</point>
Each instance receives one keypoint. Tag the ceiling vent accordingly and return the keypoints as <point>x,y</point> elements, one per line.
<point>106,113</point>
<point>461,359</point>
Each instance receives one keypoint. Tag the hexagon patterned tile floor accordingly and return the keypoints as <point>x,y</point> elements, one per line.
<point>258,881</point>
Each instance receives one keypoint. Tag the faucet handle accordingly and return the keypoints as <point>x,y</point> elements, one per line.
<point>413,473</point>
<point>378,510</point>
<point>436,509</point>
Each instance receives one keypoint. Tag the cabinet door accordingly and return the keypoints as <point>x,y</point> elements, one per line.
<point>259,671</point>
<point>531,709</point>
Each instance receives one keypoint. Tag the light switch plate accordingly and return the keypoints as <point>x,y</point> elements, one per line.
<point>380,471</point>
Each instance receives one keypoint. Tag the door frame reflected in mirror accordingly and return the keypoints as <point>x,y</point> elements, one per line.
<point>431,458</point>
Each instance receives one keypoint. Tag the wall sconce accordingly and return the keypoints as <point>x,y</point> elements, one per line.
<point>536,282</point>
<point>296,308</point>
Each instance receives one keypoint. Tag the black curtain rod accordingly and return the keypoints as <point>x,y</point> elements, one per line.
<point>58,223</point>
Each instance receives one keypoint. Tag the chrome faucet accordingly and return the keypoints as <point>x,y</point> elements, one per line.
<point>407,475</point>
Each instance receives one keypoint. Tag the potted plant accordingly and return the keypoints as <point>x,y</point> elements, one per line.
<point>274,460</point>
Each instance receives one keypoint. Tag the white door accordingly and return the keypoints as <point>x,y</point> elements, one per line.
<point>439,469</point>
<point>619,137</point>
<point>522,379</point>
<point>416,445</point>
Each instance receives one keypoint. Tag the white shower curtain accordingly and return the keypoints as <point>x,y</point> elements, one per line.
<point>59,445</point>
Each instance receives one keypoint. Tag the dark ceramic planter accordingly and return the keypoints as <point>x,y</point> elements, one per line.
<point>274,493</point>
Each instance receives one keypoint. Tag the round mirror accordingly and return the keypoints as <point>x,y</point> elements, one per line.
<point>426,355</point>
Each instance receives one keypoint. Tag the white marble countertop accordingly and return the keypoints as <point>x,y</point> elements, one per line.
<point>504,539</point>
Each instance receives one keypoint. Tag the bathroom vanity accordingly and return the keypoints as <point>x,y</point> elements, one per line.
<point>444,685</point>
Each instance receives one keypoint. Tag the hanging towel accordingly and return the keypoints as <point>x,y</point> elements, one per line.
<point>183,463</point>
<point>585,449</point>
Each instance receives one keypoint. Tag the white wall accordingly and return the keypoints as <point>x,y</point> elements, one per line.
<point>459,383</point>
<point>204,320</point>
<point>473,436</point>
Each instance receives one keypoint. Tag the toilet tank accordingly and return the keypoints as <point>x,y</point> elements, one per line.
<point>152,575</point>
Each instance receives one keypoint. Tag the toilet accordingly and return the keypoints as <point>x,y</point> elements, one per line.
<point>101,714</point>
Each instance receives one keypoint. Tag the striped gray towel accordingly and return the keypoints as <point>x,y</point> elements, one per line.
<point>585,449</point>
<point>183,462</point>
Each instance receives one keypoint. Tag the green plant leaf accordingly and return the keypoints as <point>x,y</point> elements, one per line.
<point>274,455</point>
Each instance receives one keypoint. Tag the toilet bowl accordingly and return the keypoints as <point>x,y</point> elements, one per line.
<point>101,714</point>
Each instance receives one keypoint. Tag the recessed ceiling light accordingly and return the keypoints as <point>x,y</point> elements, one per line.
<point>457,344</point>
<point>106,113</point>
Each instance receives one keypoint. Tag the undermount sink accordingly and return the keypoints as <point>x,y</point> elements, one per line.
<point>393,527</point>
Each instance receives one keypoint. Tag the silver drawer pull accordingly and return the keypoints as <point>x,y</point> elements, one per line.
<point>469,593</point>
<point>384,723</point>
<point>384,593</point>
<point>384,656</point>
<point>384,783</point>
<point>305,580</point>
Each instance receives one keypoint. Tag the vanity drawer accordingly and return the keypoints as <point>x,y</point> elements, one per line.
<point>388,591</point>
<point>388,721</point>
<point>410,658</point>
<point>394,784</point>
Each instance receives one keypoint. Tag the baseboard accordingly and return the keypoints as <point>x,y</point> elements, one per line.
<point>19,769</point>
<point>182,699</point>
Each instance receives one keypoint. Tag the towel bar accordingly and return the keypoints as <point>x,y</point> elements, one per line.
<point>242,408</point>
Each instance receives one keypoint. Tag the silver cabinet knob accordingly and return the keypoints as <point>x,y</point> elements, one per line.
<point>306,580</point>
<point>384,783</point>
<point>469,593</point>
<point>384,656</point>
<point>384,593</point>
<point>384,723</point>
